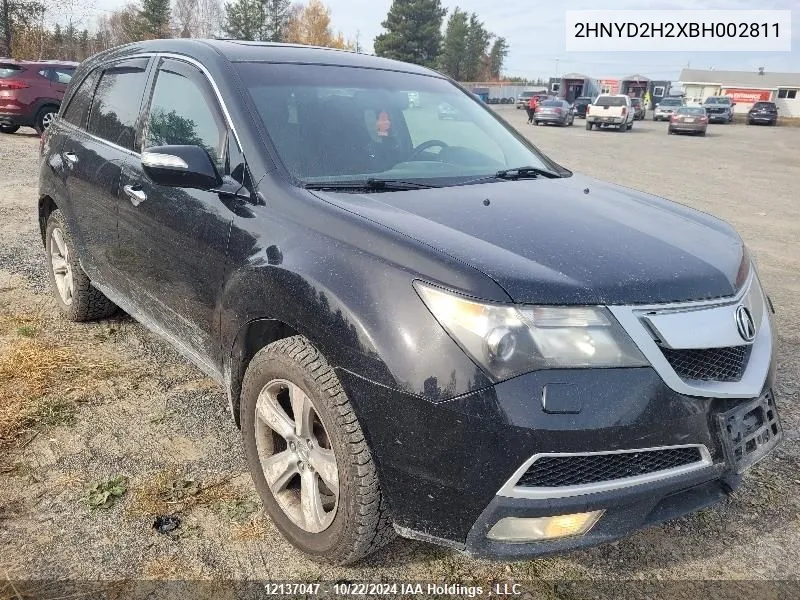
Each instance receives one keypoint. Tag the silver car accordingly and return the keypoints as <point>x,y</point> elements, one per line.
<point>664,109</point>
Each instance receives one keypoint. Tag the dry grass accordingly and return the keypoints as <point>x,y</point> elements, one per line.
<point>171,492</point>
<point>39,378</point>
<point>253,530</point>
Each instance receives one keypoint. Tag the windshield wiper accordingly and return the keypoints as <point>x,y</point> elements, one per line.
<point>515,174</point>
<point>370,184</point>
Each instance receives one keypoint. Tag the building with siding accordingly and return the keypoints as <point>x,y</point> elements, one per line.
<point>745,88</point>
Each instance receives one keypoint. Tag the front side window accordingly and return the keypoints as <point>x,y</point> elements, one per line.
<point>183,113</point>
<point>78,108</point>
<point>331,123</point>
<point>115,110</point>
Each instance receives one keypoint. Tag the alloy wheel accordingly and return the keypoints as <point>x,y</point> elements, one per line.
<point>60,263</point>
<point>47,119</point>
<point>296,457</point>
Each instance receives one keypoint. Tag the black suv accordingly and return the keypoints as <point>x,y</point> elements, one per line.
<point>423,326</point>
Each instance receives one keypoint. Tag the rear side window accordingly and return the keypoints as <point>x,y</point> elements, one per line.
<point>115,109</point>
<point>61,74</point>
<point>78,108</point>
<point>8,70</point>
<point>183,112</point>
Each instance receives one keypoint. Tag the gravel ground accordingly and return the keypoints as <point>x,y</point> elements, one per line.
<point>158,421</point>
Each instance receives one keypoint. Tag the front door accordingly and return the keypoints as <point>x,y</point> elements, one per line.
<point>173,241</point>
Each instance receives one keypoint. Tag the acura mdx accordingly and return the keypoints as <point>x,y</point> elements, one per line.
<point>424,327</point>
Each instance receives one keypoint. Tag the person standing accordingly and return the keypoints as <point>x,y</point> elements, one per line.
<point>532,108</point>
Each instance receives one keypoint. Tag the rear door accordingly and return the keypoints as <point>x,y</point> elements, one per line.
<point>59,80</point>
<point>173,241</point>
<point>104,112</point>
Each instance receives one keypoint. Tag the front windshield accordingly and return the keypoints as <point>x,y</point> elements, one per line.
<point>670,102</point>
<point>342,124</point>
<point>713,100</point>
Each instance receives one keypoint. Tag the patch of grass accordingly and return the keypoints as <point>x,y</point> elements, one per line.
<point>106,493</point>
<point>26,331</point>
<point>254,529</point>
<point>171,492</point>
<point>238,511</point>
<point>35,375</point>
<point>52,413</point>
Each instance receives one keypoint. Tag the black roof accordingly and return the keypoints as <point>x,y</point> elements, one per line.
<point>246,51</point>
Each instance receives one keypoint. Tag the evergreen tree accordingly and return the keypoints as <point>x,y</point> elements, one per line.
<point>244,19</point>
<point>83,45</point>
<point>277,13</point>
<point>477,43</point>
<point>155,15</point>
<point>497,57</point>
<point>58,42</point>
<point>451,60</point>
<point>413,32</point>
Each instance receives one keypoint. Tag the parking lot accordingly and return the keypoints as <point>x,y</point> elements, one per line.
<point>136,409</point>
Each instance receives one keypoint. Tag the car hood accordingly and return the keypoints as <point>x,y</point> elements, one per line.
<point>571,240</point>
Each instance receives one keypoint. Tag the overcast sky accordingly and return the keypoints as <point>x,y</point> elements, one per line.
<point>535,31</point>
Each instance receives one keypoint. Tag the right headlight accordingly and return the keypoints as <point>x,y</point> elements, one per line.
<point>508,340</point>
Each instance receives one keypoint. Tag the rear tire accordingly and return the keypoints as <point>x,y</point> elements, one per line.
<point>588,126</point>
<point>76,297</point>
<point>9,128</point>
<point>357,522</point>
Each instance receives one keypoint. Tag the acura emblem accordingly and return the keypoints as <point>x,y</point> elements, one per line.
<point>745,324</point>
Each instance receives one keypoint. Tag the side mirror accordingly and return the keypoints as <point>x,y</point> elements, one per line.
<point>181,166</point>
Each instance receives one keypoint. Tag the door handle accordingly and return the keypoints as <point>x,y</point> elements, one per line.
<point>71,157</point>
<point>136,196</point>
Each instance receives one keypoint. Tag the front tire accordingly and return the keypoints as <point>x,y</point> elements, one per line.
<point>76,297</point>
<point>308,457</point>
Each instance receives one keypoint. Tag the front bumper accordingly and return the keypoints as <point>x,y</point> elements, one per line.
<point>719,117</point>
<point>450,469</point>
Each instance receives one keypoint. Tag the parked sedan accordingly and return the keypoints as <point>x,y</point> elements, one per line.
<point>689,119</point>
<point>763,112</point>
<point>638,109</point>
<point>556,112</point>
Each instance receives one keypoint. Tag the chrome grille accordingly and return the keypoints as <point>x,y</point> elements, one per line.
<point>558,471</point>
<point>709,364</point>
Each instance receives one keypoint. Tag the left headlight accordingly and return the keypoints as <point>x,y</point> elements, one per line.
<point>508,340</point>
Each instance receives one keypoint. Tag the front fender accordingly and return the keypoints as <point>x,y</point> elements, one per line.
<point>354,299</point>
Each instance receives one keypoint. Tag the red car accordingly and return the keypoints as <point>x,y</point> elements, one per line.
<point>31,92</point>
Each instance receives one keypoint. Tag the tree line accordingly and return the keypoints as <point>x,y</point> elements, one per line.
<point>415,30</point>
<point>24,35</point>
<point>464,49</point>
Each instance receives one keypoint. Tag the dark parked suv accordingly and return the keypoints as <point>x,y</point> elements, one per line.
<point>31,92</point>
<point>424,327</point>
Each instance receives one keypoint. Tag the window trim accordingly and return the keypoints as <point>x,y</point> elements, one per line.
<point>657,93</point>
<point>65,107</point>
<point>215,107</point>
<point>137,124</point>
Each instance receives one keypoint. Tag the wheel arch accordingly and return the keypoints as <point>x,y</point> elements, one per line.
<point>46,207</point>
<point>252,337</point>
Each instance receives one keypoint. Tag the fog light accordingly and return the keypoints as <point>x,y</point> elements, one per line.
<point>518,529</point>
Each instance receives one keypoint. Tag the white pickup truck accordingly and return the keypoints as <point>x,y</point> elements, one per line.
<point>610,110</point>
